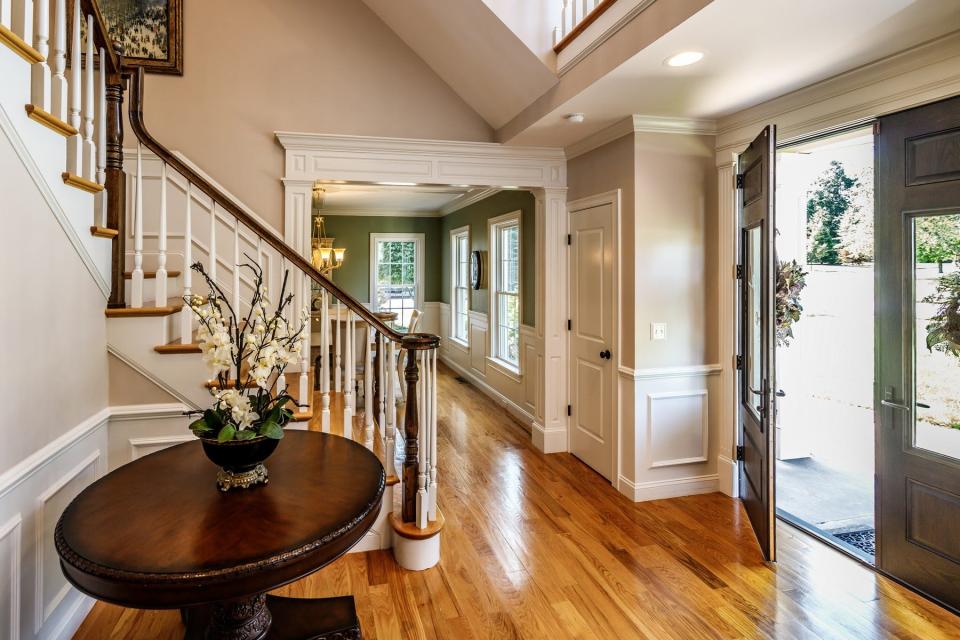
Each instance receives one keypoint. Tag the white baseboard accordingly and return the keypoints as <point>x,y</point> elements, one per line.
<point>548,440</point>
<point>728,476</point>
<point>518,412</point>
<point>661,489</point>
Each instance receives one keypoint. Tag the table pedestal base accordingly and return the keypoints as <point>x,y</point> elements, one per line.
<point>265,617</point>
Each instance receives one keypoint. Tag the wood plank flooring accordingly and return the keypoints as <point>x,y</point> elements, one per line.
<point>541,547</point>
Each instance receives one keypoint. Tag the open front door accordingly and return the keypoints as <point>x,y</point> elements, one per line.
<point>918,360</point>
<point>755,189</point>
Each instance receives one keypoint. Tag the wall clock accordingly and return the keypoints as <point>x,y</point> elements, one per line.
<point>478,276</point>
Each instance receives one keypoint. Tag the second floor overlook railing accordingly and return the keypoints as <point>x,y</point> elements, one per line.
<point>575,17</point>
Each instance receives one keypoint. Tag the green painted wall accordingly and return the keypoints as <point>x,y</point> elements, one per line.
<point>353,233</point>
<point>476,215</point>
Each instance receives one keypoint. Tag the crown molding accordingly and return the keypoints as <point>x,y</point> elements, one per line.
<point>470,199</point>
<point>638,123</point>
<point>382,213</point>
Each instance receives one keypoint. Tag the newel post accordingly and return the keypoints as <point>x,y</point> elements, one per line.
<point>116,183</point>
<point>413,343</point>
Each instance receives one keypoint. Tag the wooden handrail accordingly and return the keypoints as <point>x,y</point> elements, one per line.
<point>228,205</point>
<point>579,28</point>
<point>101,35</point>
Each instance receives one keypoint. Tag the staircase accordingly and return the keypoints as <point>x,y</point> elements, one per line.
<point>152,214</point>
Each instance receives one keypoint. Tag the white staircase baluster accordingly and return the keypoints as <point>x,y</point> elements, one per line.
<point>337,362</point>
<point>382,385</point>
<point>260,254</point>
<point>324,361</point>
<point>160,284</point>
<point>21,19</point>
<point>75,142</point>
<point>5,17</point>
<point>368,380</point>
<point>186,315</point>
<point>89,167</point>
<point>212,267</point>
<point>574,13</point>
<point>390,431</point>
<point>40,71</point>
<point>281,379</point>
<point>349,367</point>
<point>587,8</point>
<point>58,88</point>
<point>433,436</point>
<point>136,281</point>
<point>422,437</point>
<point>101,143</point>
<point>305,338</point>
<point>236,270</point>
<point>565,18</point>
<point>556,35</point>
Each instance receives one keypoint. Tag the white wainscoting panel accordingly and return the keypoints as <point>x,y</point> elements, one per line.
<point>138,430</point>
<point>10,550</point>
<point>678,430</point>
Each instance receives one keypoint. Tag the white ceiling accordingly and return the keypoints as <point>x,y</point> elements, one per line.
<point>375,199</point>
<point>755,50</point>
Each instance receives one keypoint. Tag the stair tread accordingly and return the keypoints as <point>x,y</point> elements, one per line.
<point>147,275</point>
<point>411,531</point>
<point>104,232</point>
<point>147,310</point>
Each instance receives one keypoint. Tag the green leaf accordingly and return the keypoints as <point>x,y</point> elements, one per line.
<point>200,428</point>
<point>213,420</point>
<point>227,433</point>
<point>246,434</point>
<point>271,429</point>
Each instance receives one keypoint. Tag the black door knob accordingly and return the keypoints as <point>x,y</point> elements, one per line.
<point>605,354</point>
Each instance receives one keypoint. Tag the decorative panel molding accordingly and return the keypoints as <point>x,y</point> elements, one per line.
<point>51,586</point>
<point>933,158</point>
<point>677,427</point>
<point>930,514</point>
<point>10,535</point>
<point>140,447</point>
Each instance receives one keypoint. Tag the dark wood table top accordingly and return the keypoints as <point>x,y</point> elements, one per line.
<point>158,533</point>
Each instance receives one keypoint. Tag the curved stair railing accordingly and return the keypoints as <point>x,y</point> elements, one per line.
<point>340,316</point>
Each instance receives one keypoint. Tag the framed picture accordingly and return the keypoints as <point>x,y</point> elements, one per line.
<point>151,32</point>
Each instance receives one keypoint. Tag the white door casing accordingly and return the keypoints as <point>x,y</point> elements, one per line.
<point>592,343</point>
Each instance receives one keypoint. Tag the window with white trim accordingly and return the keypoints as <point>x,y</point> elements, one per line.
<point>460,277</point>
<point>396,274</point>
<point>505,289</point>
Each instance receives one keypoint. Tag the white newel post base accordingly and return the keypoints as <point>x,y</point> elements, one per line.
<point>416,555</point>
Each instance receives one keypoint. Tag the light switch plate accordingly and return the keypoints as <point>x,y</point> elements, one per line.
<point>658,331</point>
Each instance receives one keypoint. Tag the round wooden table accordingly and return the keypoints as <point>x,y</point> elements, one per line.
<point>158,534</point>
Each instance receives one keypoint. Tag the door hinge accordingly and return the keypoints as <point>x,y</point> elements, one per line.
<point>569,325</point>
<point>738,362</point>
<point>739,272</point>
<point>739,453</point>
<point>569,239</point>
<point>738,181</point>
<point>876,128</point>
<point>569,410</point>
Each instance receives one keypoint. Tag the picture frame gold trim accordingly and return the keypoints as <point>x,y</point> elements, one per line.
<point>173,65</point>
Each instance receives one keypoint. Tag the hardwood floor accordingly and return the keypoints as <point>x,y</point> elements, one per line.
<point>542,547</point>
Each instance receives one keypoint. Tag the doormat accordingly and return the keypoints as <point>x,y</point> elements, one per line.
<point>864,540</point>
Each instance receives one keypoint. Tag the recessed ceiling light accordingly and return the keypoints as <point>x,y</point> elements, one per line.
<point>684,59</point>
<point>575,117</point>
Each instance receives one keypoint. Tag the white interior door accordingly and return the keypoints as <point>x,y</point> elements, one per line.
<point>591,336</point>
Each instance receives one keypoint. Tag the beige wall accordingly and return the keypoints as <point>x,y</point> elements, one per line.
<point>128,386</point>
<point>54,331</point>
<point>674,249</point>
<point>605,169</point>
<point>324,66</point>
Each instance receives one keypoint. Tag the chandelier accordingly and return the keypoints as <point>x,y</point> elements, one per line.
<point>325,257</point>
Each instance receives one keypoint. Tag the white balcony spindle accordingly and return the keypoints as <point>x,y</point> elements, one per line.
<point>75,142</point>
<point>5,17</point>
<point>304,339</point>
<point>368,380</point>
<point>101,143</point>
<point>349,368</point>
<point>212,249</point>
<point>422,438</point>
<point>58,88</point>
<point>337,361</point>
<point>382,382</point>
<point>89,161</point>
<point>40,71</point>
<point>324,361</point>
<point>433,437</point>
<point>390,435</point>
<point>21,19</point>
<point>136,281</point>
<point>160,282</point>
<point>565,24</point>
<point>556,36</point>
<point>186,315</point>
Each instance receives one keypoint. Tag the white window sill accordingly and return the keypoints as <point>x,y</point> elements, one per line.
<point>505,368</point>
<point>458,343</point>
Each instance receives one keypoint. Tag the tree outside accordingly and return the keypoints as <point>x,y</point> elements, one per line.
<point>840,218</point>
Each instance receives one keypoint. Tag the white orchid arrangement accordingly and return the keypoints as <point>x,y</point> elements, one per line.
<point>258,347</point>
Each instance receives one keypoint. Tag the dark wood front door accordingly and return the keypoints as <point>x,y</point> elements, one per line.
<point>918,367</point>
<point>755,182</point>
